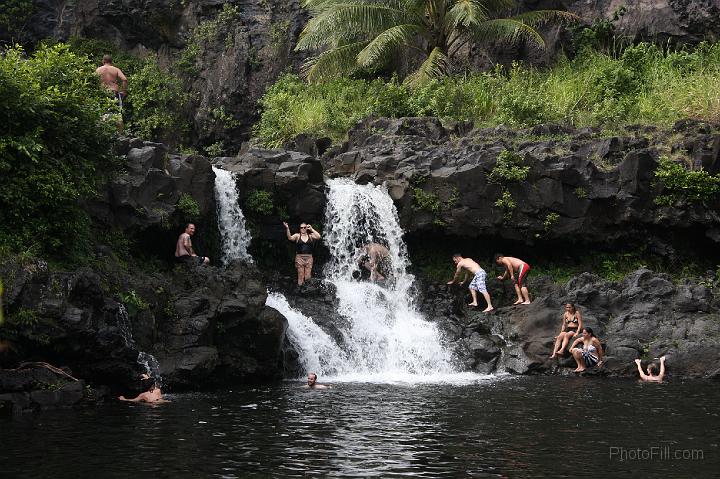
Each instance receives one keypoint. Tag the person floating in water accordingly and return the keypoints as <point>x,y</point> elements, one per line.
<point>571,327</point>
<point>113,79</point>
<point>375,258</point>
<point>304,247</point>
<point>477,283</point>
<point>511,265</point>
<point>591,352</point>
<point>313,384</point>
<point>184,252</point>
<point>651,370</point>
<point>153,395</point>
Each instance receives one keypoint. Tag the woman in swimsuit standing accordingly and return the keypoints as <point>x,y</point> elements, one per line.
<point>304,246</point>
<point>571,327</point>
<point>591,354</point>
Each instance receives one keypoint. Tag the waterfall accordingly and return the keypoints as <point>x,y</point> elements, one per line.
<point>317,351</point>
<point>384,337</point>
<point>146,360</point>
<point>387,337</point>
<point>231,221</point>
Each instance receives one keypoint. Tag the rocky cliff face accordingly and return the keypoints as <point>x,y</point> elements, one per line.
<point>576,184</point>
<point>203,324</point>
<point>643,316</point>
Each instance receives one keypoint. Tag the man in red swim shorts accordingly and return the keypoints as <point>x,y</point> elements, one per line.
<point>511,265</point>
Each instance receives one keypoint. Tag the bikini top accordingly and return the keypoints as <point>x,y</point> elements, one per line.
<point>590,348</point>
<point>574,320</point>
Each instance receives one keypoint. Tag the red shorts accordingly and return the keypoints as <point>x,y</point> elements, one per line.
<point>523,270</point>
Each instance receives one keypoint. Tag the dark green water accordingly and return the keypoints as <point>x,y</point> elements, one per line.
<point>511,427</point>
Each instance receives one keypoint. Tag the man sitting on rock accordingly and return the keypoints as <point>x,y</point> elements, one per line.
<point>477,283</point>
<point>651,370</point>
<point>152,395</point>
<point>184,252</point>
<point>313,384</point>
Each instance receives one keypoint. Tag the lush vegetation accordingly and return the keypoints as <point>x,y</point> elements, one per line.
<point>54,149</point>
<point>679,183</point>
<point>641,84</point>
<point>156,105</point>
<point>370,34</point>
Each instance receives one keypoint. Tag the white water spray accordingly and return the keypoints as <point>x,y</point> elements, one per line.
<point>387,337</point>
<point>384,338</point>
<point>231,221</point>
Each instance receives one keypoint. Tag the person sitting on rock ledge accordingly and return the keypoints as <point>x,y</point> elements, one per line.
<point>591,352</point>
<point>152,395</point>
<point>313,384</point>
<point>571,327</point>
<point>511,264</point>
<point>651,370</point>
<point>304,246</point>
<point>184,252</point>
<point>477,283</point>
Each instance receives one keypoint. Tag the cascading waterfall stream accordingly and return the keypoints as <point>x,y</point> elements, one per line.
<point>387,337</point>
<point>144,359</point>
<point>235,236</point>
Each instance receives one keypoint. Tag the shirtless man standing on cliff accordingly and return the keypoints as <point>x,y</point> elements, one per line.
<point>477,283</point>
<point>113,79</point>
<point>511,265</point>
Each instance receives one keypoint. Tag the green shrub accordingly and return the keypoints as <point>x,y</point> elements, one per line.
<point>508,168</point>
<point>425,201</point>
<point>133,302</point>
<point>681,184</point>
<point>550,220</point>
<point>260,202</point>
<point>54,149</point>
<point>188,207</point>
<point>507,204</point>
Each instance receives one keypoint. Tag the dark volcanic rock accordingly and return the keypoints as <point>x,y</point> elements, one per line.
<point>33,387</point>
<point>578,185</point>
<point>643,316</point>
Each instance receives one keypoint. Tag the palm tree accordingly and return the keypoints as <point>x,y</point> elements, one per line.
<point>354,34</point>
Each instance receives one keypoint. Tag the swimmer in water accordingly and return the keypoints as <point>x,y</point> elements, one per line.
<point>313,384</point>
<point>152,396</point>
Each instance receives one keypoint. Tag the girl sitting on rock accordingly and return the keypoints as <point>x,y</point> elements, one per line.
<point>570,327</point>
<point>590,354</point>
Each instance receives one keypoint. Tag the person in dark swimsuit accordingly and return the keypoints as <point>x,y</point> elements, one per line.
<point>304,247</point>
<point>570,327</point>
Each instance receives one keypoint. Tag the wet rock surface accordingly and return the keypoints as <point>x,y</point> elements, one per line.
<point>644,316</point>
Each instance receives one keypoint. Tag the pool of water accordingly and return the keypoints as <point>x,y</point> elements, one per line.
<point>497,427</point>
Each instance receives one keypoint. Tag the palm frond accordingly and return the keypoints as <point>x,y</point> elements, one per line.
<point>540,17</point>
<point>361,20</point>
<point>435,66</point>
<point>386,43</point>
<point>508,30</point>
<point>332,63</point>
<point>465,13</point>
